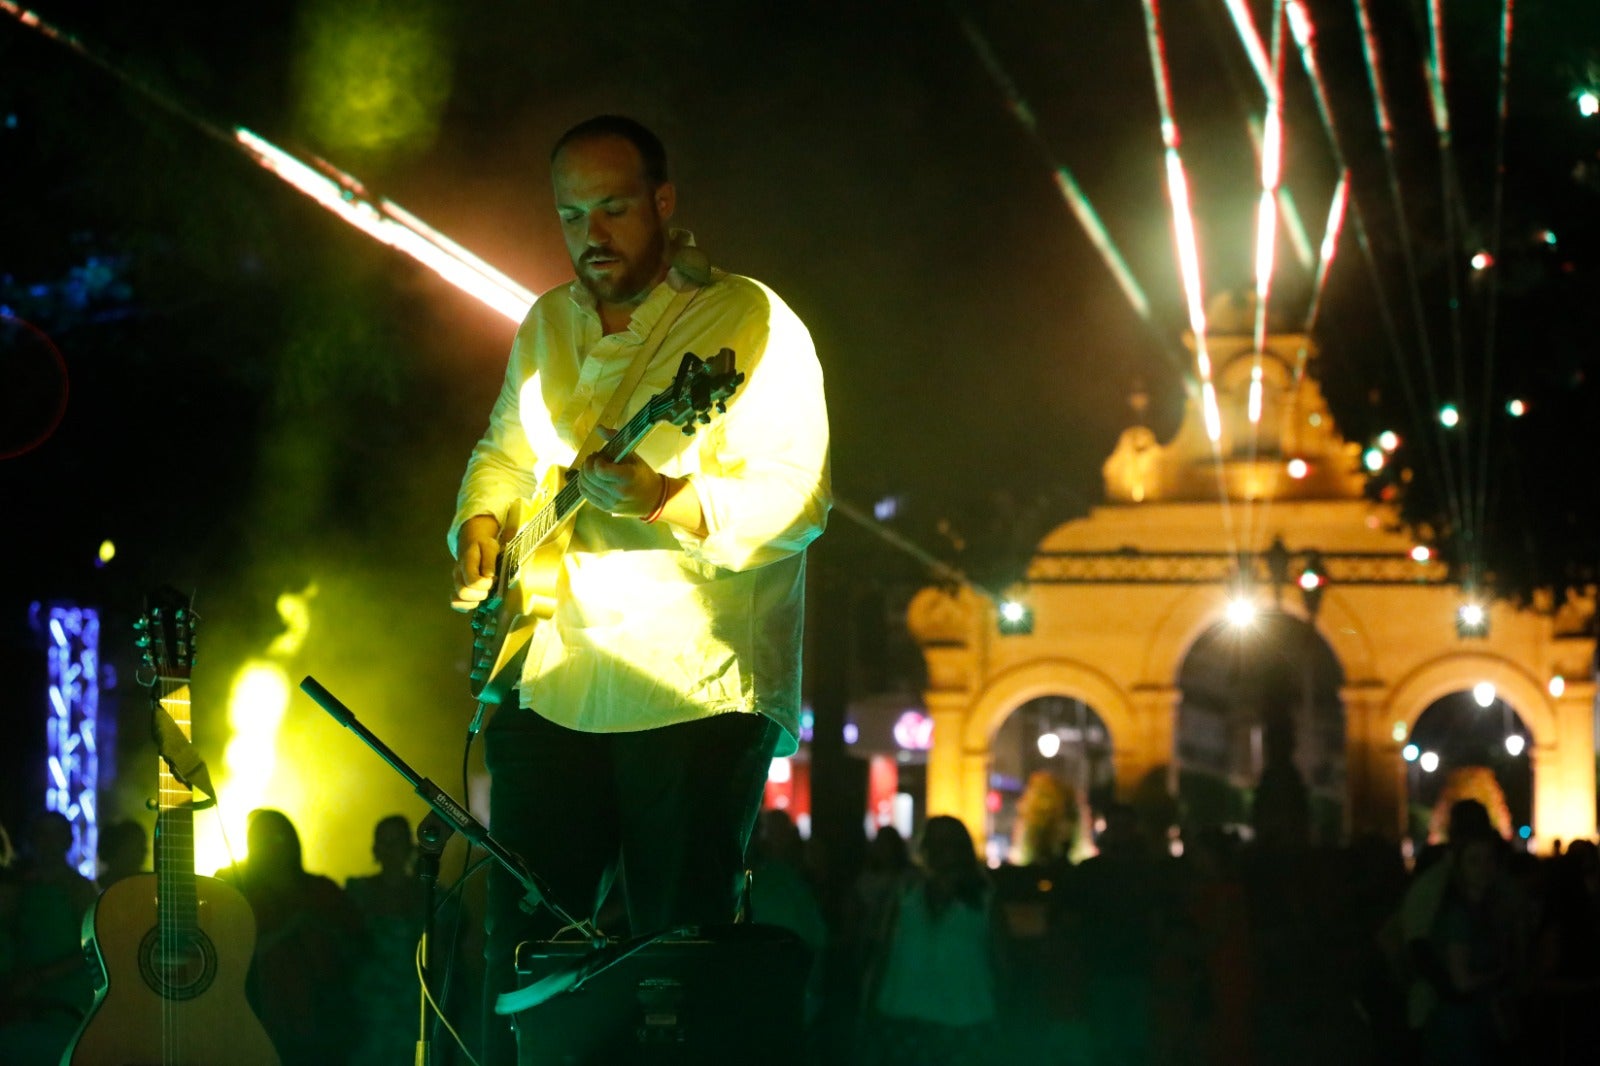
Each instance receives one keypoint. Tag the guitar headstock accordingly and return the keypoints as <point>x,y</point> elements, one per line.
<point>700,387</point>
<point>166,633</point>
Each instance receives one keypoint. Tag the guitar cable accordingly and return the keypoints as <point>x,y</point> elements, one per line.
<point>467,869</point>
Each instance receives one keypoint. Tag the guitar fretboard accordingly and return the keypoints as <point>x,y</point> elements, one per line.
<point>177,908</point>
<point>568,498</point>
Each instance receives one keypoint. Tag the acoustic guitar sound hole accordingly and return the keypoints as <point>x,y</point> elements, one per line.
<point>182,971</point>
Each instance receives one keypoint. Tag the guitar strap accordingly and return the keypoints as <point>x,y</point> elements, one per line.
<point>630,379</point>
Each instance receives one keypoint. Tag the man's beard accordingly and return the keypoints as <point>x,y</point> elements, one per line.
<point>637,276</point>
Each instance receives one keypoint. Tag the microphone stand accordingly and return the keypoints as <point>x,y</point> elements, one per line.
<point>432,835</point>
<point>452,815</point>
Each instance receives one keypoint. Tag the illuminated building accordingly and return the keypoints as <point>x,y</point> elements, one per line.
<point>1124,599</point>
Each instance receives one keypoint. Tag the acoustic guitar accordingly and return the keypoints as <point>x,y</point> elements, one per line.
<point>171,949</point>
<point>537,529</point>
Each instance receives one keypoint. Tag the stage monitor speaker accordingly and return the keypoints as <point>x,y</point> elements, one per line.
<point>728,994</point>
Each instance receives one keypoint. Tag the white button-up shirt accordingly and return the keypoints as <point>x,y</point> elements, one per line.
<point>654,625</point>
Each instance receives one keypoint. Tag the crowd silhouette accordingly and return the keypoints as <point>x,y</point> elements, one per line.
<point>1116,947</point>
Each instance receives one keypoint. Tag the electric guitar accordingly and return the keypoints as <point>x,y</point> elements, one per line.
<point>171,949</point>
<point>537,529</point>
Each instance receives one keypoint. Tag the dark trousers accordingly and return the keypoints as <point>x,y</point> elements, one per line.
<point>675,804</point>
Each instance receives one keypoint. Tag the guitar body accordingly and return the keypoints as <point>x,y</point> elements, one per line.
<point>524,595</point>
<point>189,1010</point>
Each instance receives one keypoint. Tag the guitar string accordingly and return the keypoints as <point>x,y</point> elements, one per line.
<point>534,533</point>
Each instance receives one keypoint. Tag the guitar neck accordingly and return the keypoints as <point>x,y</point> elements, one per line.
<point>566,502</point>
<point>174,839</point>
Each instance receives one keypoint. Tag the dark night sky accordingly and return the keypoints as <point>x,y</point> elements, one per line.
<point>275,399</point>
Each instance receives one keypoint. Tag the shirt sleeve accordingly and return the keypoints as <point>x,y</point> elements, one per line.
<point>763,472</point>
<point>502,465</point>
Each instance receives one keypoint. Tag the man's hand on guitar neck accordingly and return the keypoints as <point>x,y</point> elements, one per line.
<point>478,546</point>
<point>631,489</point>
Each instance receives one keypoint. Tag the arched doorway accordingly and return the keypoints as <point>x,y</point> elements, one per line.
<point>1056,735</point>
<point>1261,698</point>
<point>1469,744</point>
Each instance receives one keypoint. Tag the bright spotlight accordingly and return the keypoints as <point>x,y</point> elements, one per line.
<point>1298,469</point>
<point>1516,408</point>
<point>1558,686</point>
<point>1472,620</point>
<point>108,552</point>
<point>780,771</point>
<point>1421,553</point>
<point>1015,618</point>
<point>1449,416</point>
<point>1049,745</point>
<point>1373,458</point>
<point>1398,732</point>
<point>1410,752</point>
<point>1482,261</point>
<point>1483,694</point>
<point>1241,611</point>
<point>1388,440</point>
<point>1429,761</point>
<point>1515,744</point>
<point>1589,103</point>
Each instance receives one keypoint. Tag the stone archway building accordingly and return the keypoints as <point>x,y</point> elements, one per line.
<point>1119,597</point>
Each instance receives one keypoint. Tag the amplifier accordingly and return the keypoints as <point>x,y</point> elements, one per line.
<point>723,994</point>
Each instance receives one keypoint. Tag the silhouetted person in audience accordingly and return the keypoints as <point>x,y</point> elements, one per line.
<point>1469,958</point>
<point>391,906</point>
<point>933,998</point>
<point>124,847</point>
<point>864,912</point>
<point>1565,1026</point>
<point>1112,914</point>
<point>782,894</point>
<point>47,987</point>
<point>307,934</point>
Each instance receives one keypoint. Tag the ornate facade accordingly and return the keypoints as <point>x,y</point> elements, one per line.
<point>1120,598</point>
